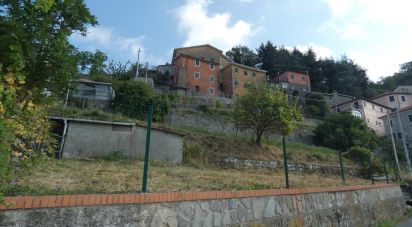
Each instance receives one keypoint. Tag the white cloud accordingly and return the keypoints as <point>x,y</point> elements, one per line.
<point>321,51</point>
<point>107,40</point>
<point>379,29</point>
<point>201,27</point>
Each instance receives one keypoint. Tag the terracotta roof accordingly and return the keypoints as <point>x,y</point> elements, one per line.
<point>391,93</point>
<point>354,100</point>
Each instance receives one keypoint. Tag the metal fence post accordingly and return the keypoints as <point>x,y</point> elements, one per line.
<point>386,173</point>
<point>342,171</point>
<point>370,170</point>
<point>147,148</point>
<point>285,161</point>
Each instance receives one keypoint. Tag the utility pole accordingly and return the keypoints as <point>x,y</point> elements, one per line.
<point>395,154</point>
<point>137,65</point>
<point>405,148</point>
<point>147,64</point>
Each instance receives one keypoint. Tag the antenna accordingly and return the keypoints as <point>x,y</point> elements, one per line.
<point>137,66</point>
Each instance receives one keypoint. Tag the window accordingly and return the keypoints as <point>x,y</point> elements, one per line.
<point>211,90</point>
<point>212,66</point>
<point>391,99</point>
<point>368,120</point>
<point>245,73</point>
<point>377,123</point>
<point>246,84</point>
<point>391,123</point>
<point>338,109</point>
<point>356,105</point>
<point>197,89</point>
<point>364,104</point>
<point>236,82</point>
<point>410,117</point>
<point>197,62</point>
<point>211,78</point>
<point>381,110</point>
<point>292,77</point>
<point>235,70</point>
<point>403,98</point>
<point>254,74</point>
<point>197,75</point>
<point>373,107</point>
<point>303,78</point>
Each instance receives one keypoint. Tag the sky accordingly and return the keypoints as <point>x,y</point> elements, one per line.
<point>376,34</point>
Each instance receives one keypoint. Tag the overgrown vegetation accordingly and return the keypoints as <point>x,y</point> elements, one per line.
<point>30,62</point>
<point>343,131</point>
<point>125,176</point>
<point>316,106</point>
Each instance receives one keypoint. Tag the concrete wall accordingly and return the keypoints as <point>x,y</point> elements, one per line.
<point>340,206</point>
<point>94,139</point>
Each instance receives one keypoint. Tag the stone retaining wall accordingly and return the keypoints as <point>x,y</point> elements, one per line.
<point>215,123</point>
<point>236,163</point>
<point>339,206</point>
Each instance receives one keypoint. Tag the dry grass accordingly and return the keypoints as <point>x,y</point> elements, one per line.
<point>99,176</point>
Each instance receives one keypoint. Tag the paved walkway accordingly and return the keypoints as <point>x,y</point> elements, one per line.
<point>406,223</point>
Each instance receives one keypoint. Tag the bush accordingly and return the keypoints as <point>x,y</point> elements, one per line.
<point>133,98</point>
<point>218,104</point>
<point>343,131</point>
<point>359,154</point>
<point>316,105</point>
<point>363,156</point>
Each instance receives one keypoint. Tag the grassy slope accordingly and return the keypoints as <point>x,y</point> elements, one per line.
<point>102,176</point>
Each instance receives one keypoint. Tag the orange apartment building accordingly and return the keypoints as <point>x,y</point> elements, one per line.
<point>205,71</point>
<point>236,79</point>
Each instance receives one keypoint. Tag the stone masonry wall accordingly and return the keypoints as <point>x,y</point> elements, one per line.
<point>341,206</point>
<point>236,163</point>
<point>220,124</point>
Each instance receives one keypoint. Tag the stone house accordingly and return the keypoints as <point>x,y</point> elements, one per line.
<point>370,111</point>
<point>236,79</point>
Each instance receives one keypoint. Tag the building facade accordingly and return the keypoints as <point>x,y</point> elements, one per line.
<point>295,84</point>
<point>236,79</point>
<point>405,116</point>
<point>205,71</point>
<point>198,76</point>
<point>371,112</point>
<point>394,100</point>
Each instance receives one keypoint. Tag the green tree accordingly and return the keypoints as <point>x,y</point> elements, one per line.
<point>343,131</point>
<point>316,105</point>
<point>266,56</point>
<point>264,110</point>
<point>242,55</point>
<point>40,30</point>
<point>133,97</point>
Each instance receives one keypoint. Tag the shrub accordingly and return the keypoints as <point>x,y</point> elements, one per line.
<point>133,97</point>
<point>316,105</point>
<point>343,131</point>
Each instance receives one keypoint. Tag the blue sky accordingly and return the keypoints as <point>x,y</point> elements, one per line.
<point>375,33</point>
